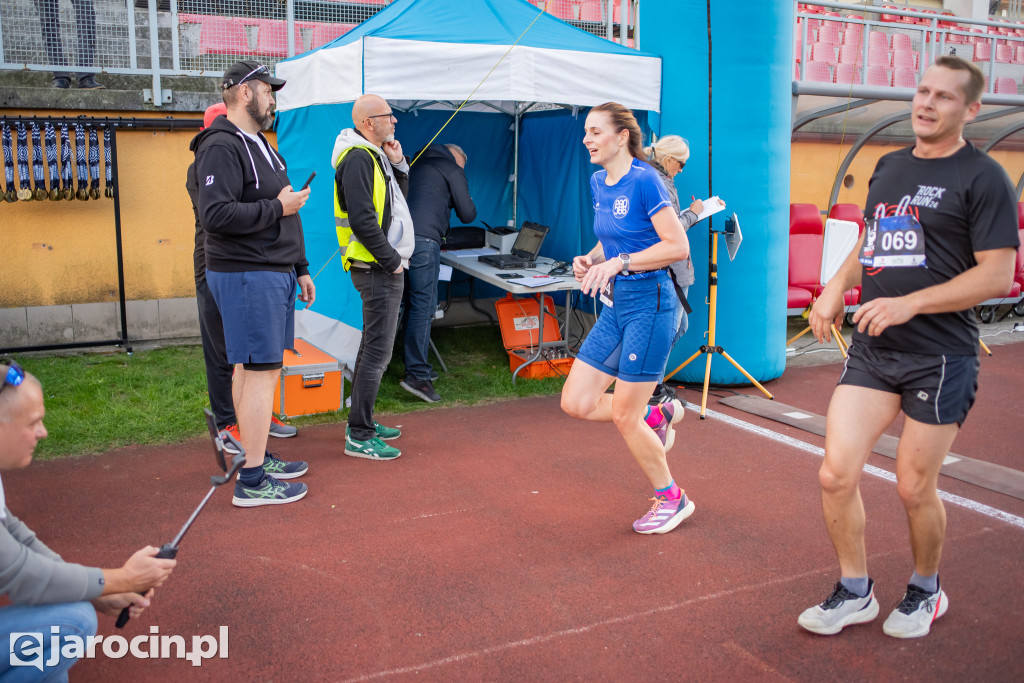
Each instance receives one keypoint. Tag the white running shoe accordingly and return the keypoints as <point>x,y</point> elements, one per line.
<point>914,615</point>
<point>841,609</point>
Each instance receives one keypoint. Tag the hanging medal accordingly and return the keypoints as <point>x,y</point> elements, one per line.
<point>24,193</point>
<point>94,164</point>
<point>39,192</point>
<point>108,190</point>
<point>50,145</point>
<point>66,181</point>
<point>83,180</point>
<point>10,195</point>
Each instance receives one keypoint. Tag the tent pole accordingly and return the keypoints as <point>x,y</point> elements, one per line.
<point>515,171</point>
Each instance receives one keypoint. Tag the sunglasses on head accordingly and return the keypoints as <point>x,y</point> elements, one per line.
<point>262,70</point>
<point>14,376</point>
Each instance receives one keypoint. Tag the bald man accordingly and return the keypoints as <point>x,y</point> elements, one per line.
<point>371,182</point>
<point>52,599</point>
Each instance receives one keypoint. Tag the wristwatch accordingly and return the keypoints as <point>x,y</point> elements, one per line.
<point>625,263</point>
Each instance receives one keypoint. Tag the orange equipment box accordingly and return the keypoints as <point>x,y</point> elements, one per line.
<point>519,320</point>
<point>312,381</point>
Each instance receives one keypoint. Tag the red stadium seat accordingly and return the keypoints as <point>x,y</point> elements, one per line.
<point>272,38</point>
<point>879,75</point>
<point>878,57</point>
<point>823,52</point>
<point>1018,54</point>
<point>902,59</point>
<point>901,41</point>
<point>903,77</point>
<point>848,212</point>
<point>877,39</point>
<point>806,237</point>
<point>222,36</point>
<point>1004,54</point>
<point>851,54</point>
<point>818,72</point>
<point>325,33</point>
<point>847,73</point>
<point>853,33</point>
<point>830,33</point>
<point>1005,85</point>
<point>592,10</point>
<point>982,51</point>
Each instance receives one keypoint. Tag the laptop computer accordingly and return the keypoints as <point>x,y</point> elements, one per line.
<point>524,251</point>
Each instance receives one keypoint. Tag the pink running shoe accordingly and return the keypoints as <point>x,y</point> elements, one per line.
<point>671,413</point>
<point>664,516</point>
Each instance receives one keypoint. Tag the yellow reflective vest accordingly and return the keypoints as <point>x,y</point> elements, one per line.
<point>350,246</point>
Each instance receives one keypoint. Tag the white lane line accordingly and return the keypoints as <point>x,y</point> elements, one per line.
<point>954,499</point>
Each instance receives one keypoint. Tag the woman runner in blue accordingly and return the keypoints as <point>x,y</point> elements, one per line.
<point>640,235</point>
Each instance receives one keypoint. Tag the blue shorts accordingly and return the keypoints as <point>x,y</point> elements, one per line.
<point>633,337</point>
<point>258,309</point>
<point>934,390</point>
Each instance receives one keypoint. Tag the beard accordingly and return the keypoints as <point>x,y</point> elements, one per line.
<point>264,120</point>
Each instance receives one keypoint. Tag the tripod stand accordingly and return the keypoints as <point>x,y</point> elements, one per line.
<point>731,231</point>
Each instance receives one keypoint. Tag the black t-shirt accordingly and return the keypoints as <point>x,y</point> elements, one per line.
<point>965,203</point>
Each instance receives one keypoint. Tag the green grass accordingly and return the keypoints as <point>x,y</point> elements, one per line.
<point>98,402</point>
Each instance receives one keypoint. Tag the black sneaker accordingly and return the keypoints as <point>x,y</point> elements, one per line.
<point>61,82</point>
<point>663,393</point>
<point>420,388</point>
<point>269,491</point>
<point>89,83</point>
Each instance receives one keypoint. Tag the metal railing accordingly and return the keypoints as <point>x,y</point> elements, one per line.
<point>160,38</point>
<point>996,46</point>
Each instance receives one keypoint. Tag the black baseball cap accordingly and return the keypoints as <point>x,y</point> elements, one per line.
<point>250,70</point>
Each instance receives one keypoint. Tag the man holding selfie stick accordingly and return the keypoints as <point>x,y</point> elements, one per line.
<point>255,260</point>
<point>51,596</point>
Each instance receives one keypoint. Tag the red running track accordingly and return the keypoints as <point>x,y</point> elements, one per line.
<point>499,547</point>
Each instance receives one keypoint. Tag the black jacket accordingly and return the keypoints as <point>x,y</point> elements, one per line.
<point>238,206</point>
<point>436,186</point>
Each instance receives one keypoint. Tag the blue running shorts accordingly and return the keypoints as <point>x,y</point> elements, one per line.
<point>258,308</point>
<point>633,337</point>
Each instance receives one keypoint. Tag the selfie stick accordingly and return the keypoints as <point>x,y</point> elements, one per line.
<point>169,551</point>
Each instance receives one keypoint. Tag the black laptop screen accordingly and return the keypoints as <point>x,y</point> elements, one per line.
<point>529,240</point>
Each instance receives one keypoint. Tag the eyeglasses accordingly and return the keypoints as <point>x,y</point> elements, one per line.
<point>262,69</point>
<point>390,114</point>
<point>15,376</point>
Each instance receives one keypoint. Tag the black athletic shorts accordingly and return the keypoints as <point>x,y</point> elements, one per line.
<point>936,390</point>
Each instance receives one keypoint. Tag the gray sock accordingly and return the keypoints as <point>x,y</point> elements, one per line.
<point>857,586</point>
<point>929,584</point>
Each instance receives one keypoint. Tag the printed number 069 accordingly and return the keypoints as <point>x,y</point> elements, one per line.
<point>899,240</point>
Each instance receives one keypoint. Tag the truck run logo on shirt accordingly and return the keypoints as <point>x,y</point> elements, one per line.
<point>927,196</point>
<point>621,206</point>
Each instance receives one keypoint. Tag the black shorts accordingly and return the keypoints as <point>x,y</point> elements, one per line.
<point>936,390</point>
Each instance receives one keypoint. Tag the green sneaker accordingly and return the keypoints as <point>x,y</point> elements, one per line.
<point>371,449</point>
<point>386,433</point>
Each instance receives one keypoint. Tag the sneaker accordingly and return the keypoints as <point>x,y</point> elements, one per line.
<point>664,516</point>
<point>371,449</point>
<point>280,429</point>
<point>61,82</point>
<point>433,375</point>
<point>229,447</point>
<point>283,469</point>
<point>915,613</point>
<point>89,83</point>
<point>671,413</point>
<point>420,388</point>
<point>385,433</point>
<point>841,609</point>
<point>662,393</point>
<point>269,491</point>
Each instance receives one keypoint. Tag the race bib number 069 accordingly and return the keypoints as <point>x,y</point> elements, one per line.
<point>894,241</point>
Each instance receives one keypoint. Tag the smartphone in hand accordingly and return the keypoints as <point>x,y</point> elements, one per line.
<point>308,180</point>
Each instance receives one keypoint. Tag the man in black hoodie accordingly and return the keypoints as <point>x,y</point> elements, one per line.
<point>255,259</point>
<point>437,184</point>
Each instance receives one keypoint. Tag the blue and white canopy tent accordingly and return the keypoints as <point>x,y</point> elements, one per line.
<point>522,128</point>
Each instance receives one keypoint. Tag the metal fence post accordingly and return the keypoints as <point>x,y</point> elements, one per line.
<point>154,53</point>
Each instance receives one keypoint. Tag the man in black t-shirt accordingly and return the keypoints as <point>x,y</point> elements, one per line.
<point>943,239</point>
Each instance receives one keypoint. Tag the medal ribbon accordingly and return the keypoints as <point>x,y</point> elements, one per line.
<point>50,143</point>
<point>22,160</point>
<point>65,158</point>
<point>37,163</point>
<point>8,162</point>
<point>109,189</point>
<point>94,164</point>
<point>80,161</point>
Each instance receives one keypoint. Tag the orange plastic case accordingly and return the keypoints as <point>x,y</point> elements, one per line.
<point>519,320</point>
<point>312,381</point>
